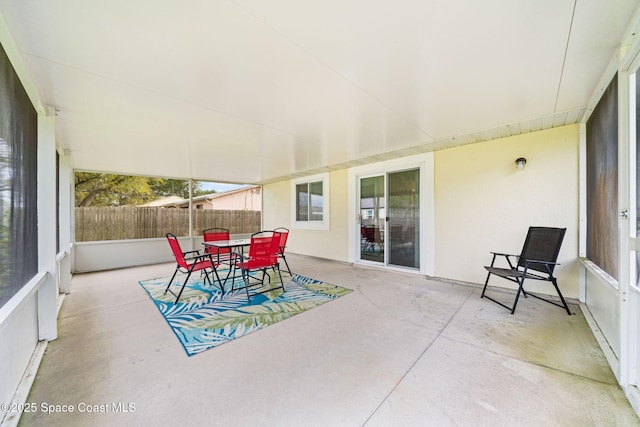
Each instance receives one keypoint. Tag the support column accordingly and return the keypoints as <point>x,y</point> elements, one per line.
<point>65,211</point>
<point>48,291</point>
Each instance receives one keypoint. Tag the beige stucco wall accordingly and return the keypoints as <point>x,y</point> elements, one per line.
<point>329,244</point>
<point>483,204</point>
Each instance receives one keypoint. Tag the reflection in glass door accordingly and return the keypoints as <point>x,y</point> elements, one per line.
<point>372,215</point>
<point>403,226</point>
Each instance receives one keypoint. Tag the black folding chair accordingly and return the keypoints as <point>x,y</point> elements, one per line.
<point>536,262</point>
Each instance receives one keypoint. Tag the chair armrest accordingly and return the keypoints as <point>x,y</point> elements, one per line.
<point>535,261</point>
<point>506,256</point>
<point>548,265</point>
<point>503,254</point>
<point>197,257</point>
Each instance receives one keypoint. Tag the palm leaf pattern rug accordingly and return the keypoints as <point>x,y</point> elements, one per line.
<point>202,319</point>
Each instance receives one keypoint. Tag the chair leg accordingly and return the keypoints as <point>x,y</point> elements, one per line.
<point>286,263</point>
<point>207,278</point>
<point>182,288</point>
<point>217,277</point>
<point>515,302</point>
<point>486,282</point>
<point>230,273</point>
<point>512,308</point>
<point>233,276</point>
<point>564,303</point>
<point>172,277</point>
<point>233,282</point>
<point>280,275</point>
<point>245,278</point>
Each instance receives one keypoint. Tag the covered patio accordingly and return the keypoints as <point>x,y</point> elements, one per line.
<point>423,108</point>
<point>419,352</point>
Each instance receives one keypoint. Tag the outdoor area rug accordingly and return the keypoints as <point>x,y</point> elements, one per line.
<point>202,319</point>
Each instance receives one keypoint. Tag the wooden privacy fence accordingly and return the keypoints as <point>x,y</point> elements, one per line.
<point>122,223</point>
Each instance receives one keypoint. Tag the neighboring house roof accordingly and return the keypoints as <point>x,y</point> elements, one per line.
<point>226,193</point>
<point>165,201</point>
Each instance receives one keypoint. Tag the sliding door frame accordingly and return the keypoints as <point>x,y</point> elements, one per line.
<point>423,162</point>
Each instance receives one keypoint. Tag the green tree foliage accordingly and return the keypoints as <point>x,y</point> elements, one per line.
<point>198,192</point>
<point>175,187</point>
<point>170,187</point>
<point>97,189</point>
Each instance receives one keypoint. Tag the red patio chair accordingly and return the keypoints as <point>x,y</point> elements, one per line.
<point>263,254</point>
<point>219,255</point>
<point>188,262</point>
<point>284,235</point>
<point>213,234</point>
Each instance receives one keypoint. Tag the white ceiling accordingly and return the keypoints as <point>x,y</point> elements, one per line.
<point>252,91</point>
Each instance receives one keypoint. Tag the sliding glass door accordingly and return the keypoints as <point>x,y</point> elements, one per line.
<point>403,218</point>
<point>389,217</point>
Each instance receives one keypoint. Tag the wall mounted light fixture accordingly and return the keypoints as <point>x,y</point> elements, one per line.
<point>520,162</point>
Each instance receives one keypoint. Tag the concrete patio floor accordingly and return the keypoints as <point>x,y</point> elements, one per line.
<point>400,350</point>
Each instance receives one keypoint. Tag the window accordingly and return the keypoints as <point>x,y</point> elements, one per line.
<point>18,184</point>
<point>310,202</point>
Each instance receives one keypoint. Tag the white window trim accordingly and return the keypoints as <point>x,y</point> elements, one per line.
<point>311,225</point>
